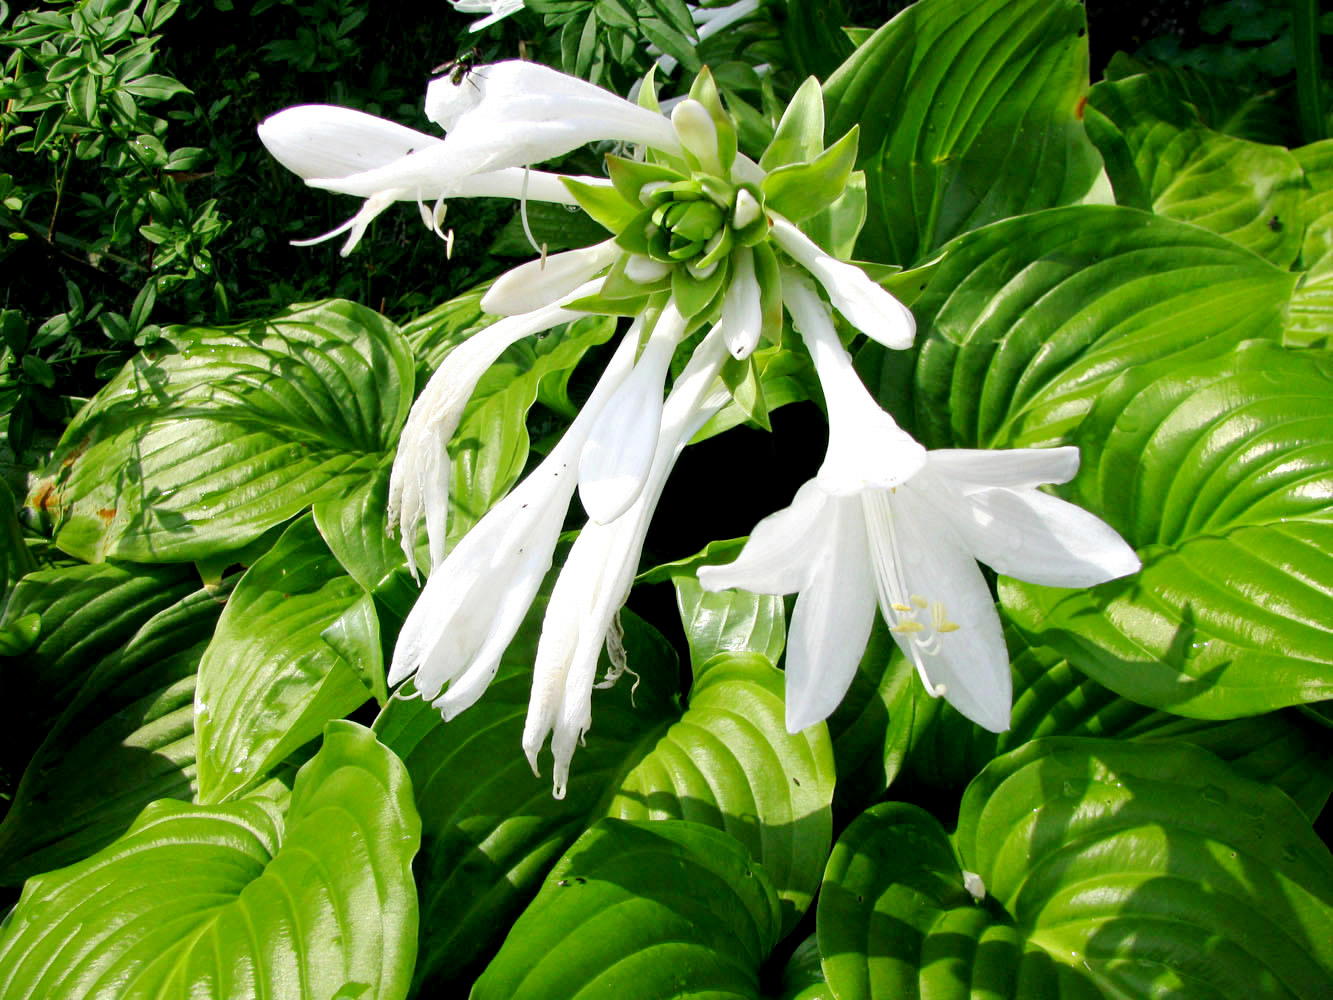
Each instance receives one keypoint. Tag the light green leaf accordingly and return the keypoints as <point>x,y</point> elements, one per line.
<point>237,900</point>
<point>212,436</point>
<point>270,680</point>
<point>641,909</point>
<point>969,114</point>
<point>1227,463</point>
<point>1109,870</point>
<point>730,763</point>
<point>493,829</point>
<point>87,615</point>
<point>730,621</point>
<point>1247,191</point>
<point>126,739</point>
<point>1024,323</point>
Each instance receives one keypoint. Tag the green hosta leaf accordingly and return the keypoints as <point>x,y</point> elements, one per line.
<point>926,740</point>
<point>1221,475</point>
<point>125,740</point>
<point>1110,870</point>
<point>799,137</point>
<point>1316,161</point>
<point>969,113</point>
<point>212,436</point>
<point>730,762</point>
<point>1024,323</point>
<point>1160,151</point>
<point>270,679</point>
<point>731,621</point>
<point>493,829</point>
<point>87,615</point>
<point>354,528</point>
<point>15,559</point>
<point>237,900</point>
<point>641,909</point>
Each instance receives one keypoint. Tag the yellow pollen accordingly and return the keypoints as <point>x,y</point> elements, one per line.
<point>947,627</point>
<point>901,607</point>
<point>919,601</point>
<point>907,626</point>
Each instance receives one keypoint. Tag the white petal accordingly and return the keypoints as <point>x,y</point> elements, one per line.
<point>643,270</point>
<point>323,140</point>
<point>742,309</point>
<point>832,618</point>
<point>1009,467</point>
<point>866,305</point>
<point>357,225</point>
<point>971,662</point>
<point>435,414</point>
<point>1039,538</point>
<point>866,448</point>
<point>540,282</point>
<point>597,576</point>
<point>779,555</point>
<point>619,454</point>
<point>522,112</point>
<point>437,172</point>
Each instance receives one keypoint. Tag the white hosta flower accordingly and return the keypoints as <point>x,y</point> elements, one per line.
<point>495,10</point>
<point>540,282</point>
<point>614,466</point>
<point>867,306</point>
<point>419,480</point>
<point>597,575</point>
<point>886,523</point>
<point>476,598</point>
<point>499,118</point>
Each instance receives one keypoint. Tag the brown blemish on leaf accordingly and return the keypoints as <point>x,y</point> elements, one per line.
<point>107,514</point>
<point>1078,108</point>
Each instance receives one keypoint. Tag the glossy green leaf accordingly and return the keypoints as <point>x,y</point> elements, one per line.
<point>15,559</point>
<point>1247,191</point>
<point>1107,869</point>
<point>1024,323</point>
<point>889,719</point>
<point>212,436</point>
<point>493,829</point>
<point>730,621</point>
<point>87,614</point>
<point>730,763</point>
<point>1316,162</point>
<point>237,900</point>
<point>126,739</point>
<point>641,909</point>
<point>969,113</point>
<point>1227,463</point>
<point>270,680</point>
<point>799,190</point>
<point>354,527</point>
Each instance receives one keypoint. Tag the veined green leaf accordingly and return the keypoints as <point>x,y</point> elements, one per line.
<point>641,909</point>
<point>1024,323</point>
<point>126,739</point>
<point>1084,868</point>
<point>212,436</point>
<point>969,113</point>
<point>1221,475</point>
<point>270,680</point>
<point>238,899</point>
<point>800,190</point>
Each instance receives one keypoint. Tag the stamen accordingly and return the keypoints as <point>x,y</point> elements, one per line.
<point>897,606</point>
<point>907,626</point>
<point>449,245</point>
<point>919,601</point>
<point>523,216</point>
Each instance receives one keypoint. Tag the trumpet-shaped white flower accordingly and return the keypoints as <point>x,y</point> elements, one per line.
<point>419,479</point>
<point>476,599</point>
<point>499,118</point>
<point>597,575</point>
<point>886,522</point>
